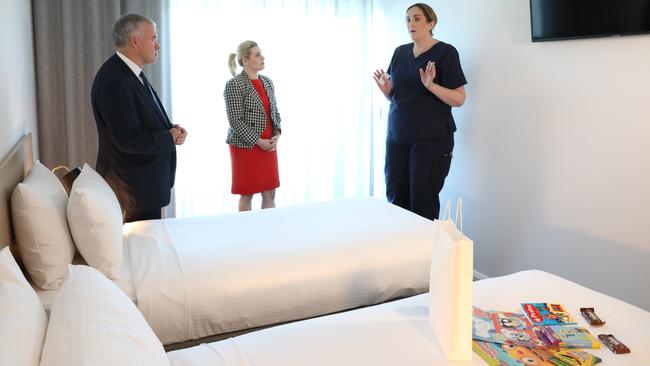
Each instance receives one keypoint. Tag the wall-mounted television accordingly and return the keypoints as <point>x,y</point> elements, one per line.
<point>566,19</point>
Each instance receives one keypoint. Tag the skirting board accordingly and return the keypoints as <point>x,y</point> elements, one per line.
<point>479,276</point>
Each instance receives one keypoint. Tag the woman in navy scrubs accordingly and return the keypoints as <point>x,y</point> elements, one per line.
<point>423,81</point>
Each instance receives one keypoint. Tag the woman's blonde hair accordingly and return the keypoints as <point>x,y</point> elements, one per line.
<point>428,13</point>
<point>243,51</point>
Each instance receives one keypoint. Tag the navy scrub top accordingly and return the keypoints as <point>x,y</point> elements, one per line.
<point>415,113</point>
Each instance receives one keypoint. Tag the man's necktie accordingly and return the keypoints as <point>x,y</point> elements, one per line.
<point>151,93</point>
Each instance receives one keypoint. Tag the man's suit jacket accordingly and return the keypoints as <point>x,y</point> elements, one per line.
<point>137,154</point>
<point>246,113</point>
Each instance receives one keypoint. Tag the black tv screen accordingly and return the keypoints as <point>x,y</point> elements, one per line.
<point>566,19</point>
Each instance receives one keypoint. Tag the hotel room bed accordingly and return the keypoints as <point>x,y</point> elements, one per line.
<point>197,277</point>
<point>94,323</point>
<point>398,332</point>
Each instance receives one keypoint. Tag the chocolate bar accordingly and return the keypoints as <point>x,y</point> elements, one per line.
<point>614,344</point>
<point>591,317</point>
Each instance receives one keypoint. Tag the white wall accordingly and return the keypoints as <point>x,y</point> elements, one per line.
<point>17,84</point>
<point>552,155</point>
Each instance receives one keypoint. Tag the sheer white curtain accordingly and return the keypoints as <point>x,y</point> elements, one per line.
<point>319,56</point>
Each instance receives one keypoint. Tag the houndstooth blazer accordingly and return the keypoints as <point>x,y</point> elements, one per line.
<point>245,110</point>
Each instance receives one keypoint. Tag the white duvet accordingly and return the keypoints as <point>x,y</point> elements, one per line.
<point>197,277</point>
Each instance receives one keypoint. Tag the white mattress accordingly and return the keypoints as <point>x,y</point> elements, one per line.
<point>196,277</point>
<point>124,281</point>
<point>398,333</point>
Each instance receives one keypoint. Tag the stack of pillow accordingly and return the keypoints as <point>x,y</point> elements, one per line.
<point>92,322</point>
<point>49,226</point>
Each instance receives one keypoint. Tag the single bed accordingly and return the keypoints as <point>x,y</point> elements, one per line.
<point>94,323</point>
<point>200,276</point>
<point>197,277</point>
<point>398,332</point>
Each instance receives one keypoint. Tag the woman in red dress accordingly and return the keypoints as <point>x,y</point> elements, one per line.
<point>254,128</point>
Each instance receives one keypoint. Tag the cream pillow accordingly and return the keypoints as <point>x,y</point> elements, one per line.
<point>92,322</point>
<point>22,317</point>
<point>38,207</point>
<point>95,221</point>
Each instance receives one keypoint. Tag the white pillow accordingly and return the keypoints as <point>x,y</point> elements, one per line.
<point>38,206</point>
<point>95,221</point>
<point>92,322</point>
<point>22,317</point>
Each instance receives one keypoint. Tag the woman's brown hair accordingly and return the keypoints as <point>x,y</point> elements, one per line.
<point>428,13</point>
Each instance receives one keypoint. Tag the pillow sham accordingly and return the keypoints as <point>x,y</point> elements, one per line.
<point>92,322</point>
<point>22,318</point>
<point>38,207</point>
<point>95,221</point>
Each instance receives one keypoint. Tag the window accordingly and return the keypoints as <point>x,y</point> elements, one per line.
<point>318,54</point>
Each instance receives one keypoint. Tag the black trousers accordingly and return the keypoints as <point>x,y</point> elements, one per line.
<point>135,215</point>
<point>415,173</point>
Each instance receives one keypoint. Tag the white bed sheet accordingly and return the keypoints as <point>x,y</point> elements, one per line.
<point>202,276</point>
<point>124,281</point>
<point>398,333</point>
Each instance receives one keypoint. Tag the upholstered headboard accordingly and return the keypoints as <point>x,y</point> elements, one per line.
<point>13,168</point>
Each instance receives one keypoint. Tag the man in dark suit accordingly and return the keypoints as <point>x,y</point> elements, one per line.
<point>137,142</point>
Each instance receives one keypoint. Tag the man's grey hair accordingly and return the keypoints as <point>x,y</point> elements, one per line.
<point>127,26</point>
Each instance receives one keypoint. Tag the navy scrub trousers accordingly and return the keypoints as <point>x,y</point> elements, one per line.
<point>415,174</point>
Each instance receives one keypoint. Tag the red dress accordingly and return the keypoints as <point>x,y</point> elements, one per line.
<point>255,170</point>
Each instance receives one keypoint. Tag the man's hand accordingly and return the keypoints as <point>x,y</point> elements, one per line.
<point>179,133</point>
